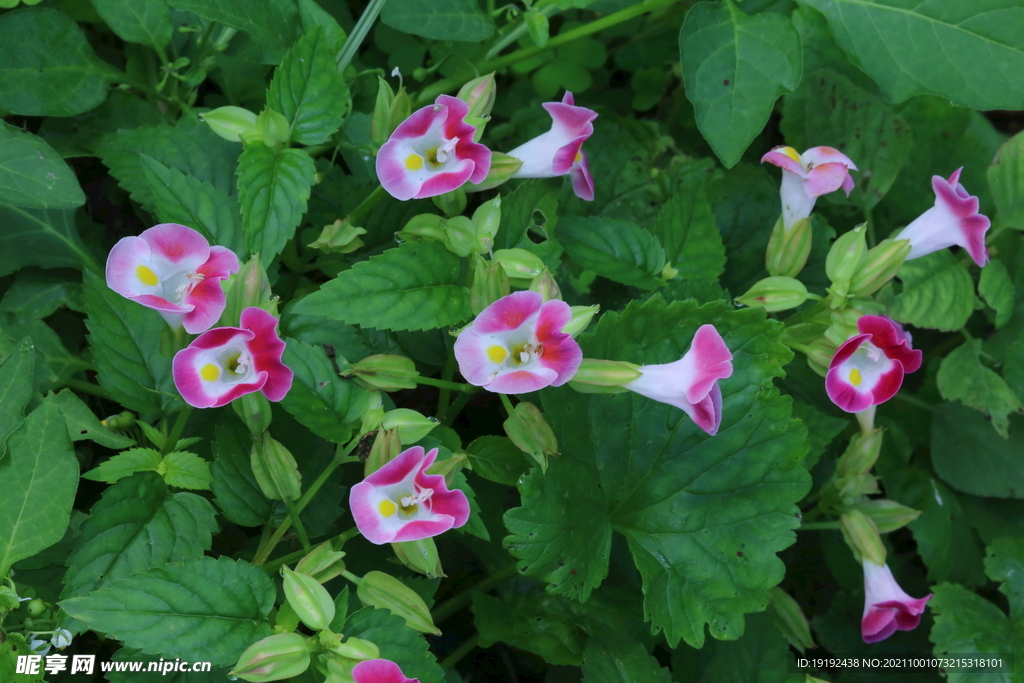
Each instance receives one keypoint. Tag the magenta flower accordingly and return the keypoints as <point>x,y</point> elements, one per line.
<point>379,671</point>
<point>401,502</point>
<point>807,176</point>
<point>227,362</point>
<point>432,152</point>
<point>516,345</point>
<point>691,383</point>
<point>887,608</point>
<point>174,270</point>
<point>559,151</point>
<point>868,368</point>
<point>953,220</point>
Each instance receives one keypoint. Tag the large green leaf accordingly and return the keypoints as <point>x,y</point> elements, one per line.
<point>40,476</point>
<point>760,656</point>
<point>613,660</point>
<point>938,292</point>
<point>273,27</point>
<point>321,400</point>
<point>236,491</point>
<point>201,609</point>
<point>32,174</point>
<point>904,46</point>
<point>412,287</point>
<point>439,19</point>
<point>614,249</point>
<point>746,205</point>
<point>735,66</point>
<point>273,186</point>
<point>15,389</point>
<point>687,230</point>
<point>309,90</point>
<point>38,293</point>
<point>138,21</point>
<point>41,237</point>
<point>396,641</point>
<point>996,287</point>
<point>994,467</point>
<point>963,377</point>
<point>703,516</point>
<point>46,65</point>
<point>1006,180</point>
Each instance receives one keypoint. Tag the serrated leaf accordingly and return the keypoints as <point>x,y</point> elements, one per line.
<point>15,389</point>
<point>125,464</point>
<point>938,292</point>
<point>41,237</point>
<point>412,287</point>
<point>312,15</point>
<point>821,430</point>
<point>83,424</point>
<point>186,471</point>
<point>613,660</point>
<point>439,19</point>
<point>309,90</point>
<point>202,609</point>
<point>664,482</point>
<point>46,65</point>
<point>319,398</point>
<point>614,249</point>
<point>962,377</point>
<point>273,186</point>
<point>33,175</point>
<point>235,489</point>
<point>735,66</point>
<point>147,22</point>
<point>994,468</point>
<point>397,642</point>
<point>273,27</point>
<point>38,293</point>
<point>979,74</point>
<point>997,289</point>
<point>1006,180</point>
<point>497,458</point>
<point>686,228</point>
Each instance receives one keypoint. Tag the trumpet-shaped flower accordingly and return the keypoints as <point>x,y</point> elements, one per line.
<point>887,608</point>
<point>868,368</point>
<point>227,362</point>
<point>807,176</point>
<point>432,152</point>
<point>401,502</point>
<point>174,270</point>
<point>691,383</point>
<point>954,220</point>
<point>379,671</point>
<point>516,345</point>
<point>559,151</point>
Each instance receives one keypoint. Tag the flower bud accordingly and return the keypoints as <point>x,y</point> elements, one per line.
<point>605,373</point>
<point>254,409</point>
<point>843,325</point>
<point>531,433</point>
<point>340,237</point>
<point>880,264</point>
<point>788,249</point>
<point>373,413</point>
<point>250,287</point>
<point>275,658</point>
<point>502,168</point>
<point>424,226</point>
<point>419,556</point>
<point>580,320</point>
<point>545,285</point>
<point>860,455</point>
<point>379,132</point>
<point>309,599</point>
<point>487,219</point>
<point>537,25</point>
<point>861,534</point>
<point>120,422</point>
<point>791,620</point>
<point>386,447</point>
<point>451,203</point>
<point>229,122</point>
<point>479,94</point>
<point>668,272</point>
<point>272,129</point>
<point>357,649</point>
<point>490,283</point>
<point>448,468</point>
<point>460,238</point>
<point>323,563</point>
<point>275,469</point>
<point>519,263</point>
<point>775,294</point>
<point>819,355</point>
<point>385,372</point>
<point>845,257</point>
<point>888,515</point>
<point>384,591</point>
<point>411,425</point>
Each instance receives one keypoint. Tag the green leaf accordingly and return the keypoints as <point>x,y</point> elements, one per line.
<point>938,292</point>
<point>735,66</point>
<point>821,430</point>
<point>83,424</point>
<point>309,90</point>
<point>41,237</point>
<point>996,288</point>
<point>273,186</point>
<point>760,656</point>
<point>439,19</point>
<point>664,483</point>
<point>57,364</point>
<point>235,489</point>
<point>745,200</point>
<point>312,15</point>
<point>273,27</point>
<point>186,471</point>
<point>40,476</point>
<point>614,249</point>
<point>33,175</point>
<point>38,293</point>
<point>888,39</point>
<point>155,675</point>
<point>397,642</point>
<point>47,67</point>
<point>963,377</point>
<point>320,399</point>
<point>497,458</point>
<point>15,389</point>
<point>687,229</point>
<point>1006,180</point>
<point>201,610</point>
<point>412,287</point>
<point>613,660</point>
<point>125,464</point>
<point>15,645</point>
<point>147,22</point>
<point>994,468</point>
<point>125,341</point>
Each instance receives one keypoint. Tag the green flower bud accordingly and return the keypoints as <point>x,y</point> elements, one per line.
<point>479,94</point>
<point>379,131</point>
<point>275,469</point>
<point>411,425</point>
<point>460,238</point>
<point>788,249</point>
<point>860,455</point>
<point>272,129</point>
<point>490,283</point>
<point>502,168</point>
<point>274,658</point>
<point>119,422</point>
<point>843,325</point>
<point>531,433</point>
<point>845,257</point>
<point>819,355</point>
<point>580,320</point>
<point>323,563</point>
<point>880,264</point>
<point>401,109</point>
<point>309,599</point>
<point>861,534</point>
<point>487,219</point>
<point>419,556</point>
<point>545,285</point>
<point>888,515</point>
<point>386,447</point>
<point>229,122</point>
<point>451,203</point>
<point>424,226</point>
<point>519,263</point>
<point>668,272</point>
<point>357,649</point>
<point>790,619</point>
<point>250,287</point>
<point>384,591</point>
<point>340,237</point>
<point>605,373</point>
<point>9,601</point>
<point>385,372</point>
<point>448,468</point>
<point>775,294</point>
<point>372,414</point>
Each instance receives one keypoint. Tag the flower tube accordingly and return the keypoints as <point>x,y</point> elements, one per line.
<point>887,608</point>
<point>807,176</point>
<point>954,220</point>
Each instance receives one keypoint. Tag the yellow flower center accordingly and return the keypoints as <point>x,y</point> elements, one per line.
<point>209,372</point>
<point>855,378</point>
<point>579,157</point>
<point>497,354</point>
<point>414,162</point>
<point>146,276</point>
<point>791,153</point>
<point>387,508</point>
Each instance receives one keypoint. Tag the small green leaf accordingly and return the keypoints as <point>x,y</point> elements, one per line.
<point>497,458</point>
<point>995,468</point>
<point>397,642</point>
<point>319,398</point>
<point>147,22</point>
<point>83,424</point>
<point>33,175</point>
<point>186,471</point>
<point>412,287</point>
<point>997,289</point>
<point>38,293</point>
<point>273,186</point>
<point>938,292</point>
<point>687,229</point>
<point>235,489</point>
<point>273,27</point>
<point>735,66</point>
<point>313,15</point>
<point>1006,180</point>
<point>610,659</point>
<point>614,249</point>
<point>15,389</point>
<point>439,19</point>
<point>41,237</point>
<point>125,464</point>
<point>963,377</point>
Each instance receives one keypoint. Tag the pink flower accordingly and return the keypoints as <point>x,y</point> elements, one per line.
<point>559,151</point>
<point>516,345</point>
<point>691,383</point>
<point>380,671</point>
<point>227,362</point>
<point>887,608</point>
<point>868,368</point>
<point>401,502</point>
<point>807,176</point>
<point>953,220</point>
<point>432,152</point>
<point>173,269</point>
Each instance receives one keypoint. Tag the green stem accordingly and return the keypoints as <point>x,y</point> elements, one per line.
<point>914,401</point>
<point>461,651</point>
<point>819,526</point>
<point>352,577</point>
<point>446,375</point>
<point>88,388</point>
<point>297,523</point>
<point>807,313</point>
<point>453,411</point>
<point>176,430</point>
<point>364,208</point>
<point>450,386</point>
<point>517,32</point>
<point>444,85</point>
<point>505,401</point>
<point>362,27</point>
<point>453,604</point>
<point>275,564</point>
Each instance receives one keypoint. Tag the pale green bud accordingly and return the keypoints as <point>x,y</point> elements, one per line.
<point>531,433</point>
<point>460,237</point>
<point>860,455</point>
<point>545,285</point>
<point>791,619</point>
<point>357,649</point>
<point>448,468</point>
<point>451,203</point>
<point>384,591</point>
<point>254,409</point>
<point>250,287</point>
<point>880,264</point>
<point>775,294</point>
<point>424,226</point>
<point>411,425</point>
<point>386,447</point>
<point>387,372</point>
<point>503,167</point>
<point>487,219</point>
<point>274,658</point>
<point>580,320</point>
<point>788,249</point>
<point>605,373</point>
<point>372,414</point>
<point>819,355</point>
<point>861,534</point>
<point>490,283</point>
<point>309,599</point>
<point>479,94</point>
<point>888,515</point>
<point>419,556</point>
<point>229,122</point>
<point>275,469</point>
<point>845,257</point>
<point>519,263</point>
<point>323,563</point>
<point>272,129</point>
<point>340,237</point>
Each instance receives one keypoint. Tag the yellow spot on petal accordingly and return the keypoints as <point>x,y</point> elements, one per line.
<point>209,372</point>
<point>497,353</point>
<point>579,157</point>
<point>146,276</point>
<point>387,508</point>
<point>414,162</point>
<point>791,153</point>
<point>855,378</point>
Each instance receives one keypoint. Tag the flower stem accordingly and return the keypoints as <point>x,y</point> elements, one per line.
<point>505,401</point>
<point>88,388</point>
<point>453,411</point>
<point>453,604</point>
<point>819,526</point>
<point>807,313</point>
<point>352,577</point>
<point>364,207</point>
<point>362,27</point>
<point>914,401</point>
<point>176,430</point>
<point>299,528</point>
<point>461,651</point>
<point>450,386</point>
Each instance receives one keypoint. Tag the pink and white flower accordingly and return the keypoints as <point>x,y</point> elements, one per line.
<point>868,368</point>
<point>807,176</point>
<point>401,502</point>
<point>954,220</point>
<point>227,362</point>
<point>432,152</point>
<point>380,671</point>
<point>516,345</point>
<point>559,151</point>
<point>691,383</point>
<point>887,608</point>
<point>174,270</point>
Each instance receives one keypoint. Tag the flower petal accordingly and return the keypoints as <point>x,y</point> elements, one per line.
<point>783,157</point>
<point>816,156</point>
<point>582,183</point>
<point>522,381</point>
<point>561,352</point>
<point>222,264</point>
<point>707,413</point>
<point>266,348</point>
<point>208,302</point>
<point>711,361</point>
<point>379,671</point>
<point>825,178</point>
<point>508,312</point>
<point>177,244</point>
